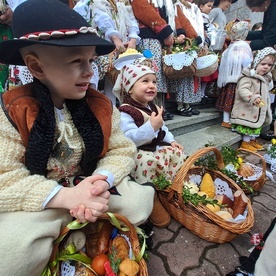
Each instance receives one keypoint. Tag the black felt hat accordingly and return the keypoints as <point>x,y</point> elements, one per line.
<point>49,22</point>
<point>216,2</point>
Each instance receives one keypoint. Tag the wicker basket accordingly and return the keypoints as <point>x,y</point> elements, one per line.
<point>171,72</point>
<point>124,227</point>
<point>206,71</point>
<point>199,219</point>
<point>255,183</point>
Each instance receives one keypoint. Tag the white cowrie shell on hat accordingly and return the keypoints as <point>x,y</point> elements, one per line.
<point>57,34</point>
<point>71,32</point>
<point>44,35</point>
<point>33,37</point>
<point>83,30</point>
<point>92,30</point>
<point>23,37</point>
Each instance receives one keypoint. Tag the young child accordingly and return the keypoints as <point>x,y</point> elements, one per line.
<point>217,15</point>
<point>251,108</point>
<point>205,7</point>
<point>56,132</point>
<point>141,121</point>
<point>237,56</point>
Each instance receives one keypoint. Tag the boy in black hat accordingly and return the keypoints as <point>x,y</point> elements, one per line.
<point>54,130</point>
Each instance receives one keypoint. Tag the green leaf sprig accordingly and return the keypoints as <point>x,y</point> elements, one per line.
<point>161,182</point>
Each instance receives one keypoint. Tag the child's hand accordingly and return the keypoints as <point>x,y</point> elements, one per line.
<point>157,120</point>
<point>259,102</point>
<point>177,145</point>
<point>120,47</point>
<point>92,192</point>
<point>131,43</point>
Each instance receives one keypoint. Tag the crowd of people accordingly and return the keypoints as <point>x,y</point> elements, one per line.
<point>68,151</point>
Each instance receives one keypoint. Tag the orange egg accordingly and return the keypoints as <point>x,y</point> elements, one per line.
<point>98,264</point>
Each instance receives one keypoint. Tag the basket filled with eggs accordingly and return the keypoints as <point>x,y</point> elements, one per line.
<point>207,202</point>
<point>110,246</point>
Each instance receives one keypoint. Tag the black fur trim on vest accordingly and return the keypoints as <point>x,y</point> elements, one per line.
<point>41,136</point>
<point>91,132</point>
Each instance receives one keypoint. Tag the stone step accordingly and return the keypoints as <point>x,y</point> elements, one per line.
<point>214,135</point>
<point>181,125</point>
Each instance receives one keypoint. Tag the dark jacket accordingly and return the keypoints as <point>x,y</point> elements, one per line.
<point>267,36</point>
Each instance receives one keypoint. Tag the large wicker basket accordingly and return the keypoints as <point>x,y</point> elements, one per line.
<point>260,171</point>
<point>199,219</point>
<point>124,227</point>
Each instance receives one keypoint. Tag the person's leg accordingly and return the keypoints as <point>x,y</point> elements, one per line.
<point>27,240</point>
<point>132,200</point>
<point>266,263</point>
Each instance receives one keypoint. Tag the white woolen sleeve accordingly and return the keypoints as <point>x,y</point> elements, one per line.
<point>143,134</point>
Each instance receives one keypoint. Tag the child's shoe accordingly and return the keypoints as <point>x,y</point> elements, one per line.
<point>226,124</point>
<point>159,216</point>
<point>248,146</point>
<point>256,145</point>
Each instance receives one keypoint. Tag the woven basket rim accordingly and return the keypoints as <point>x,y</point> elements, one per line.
<point>132,234</point>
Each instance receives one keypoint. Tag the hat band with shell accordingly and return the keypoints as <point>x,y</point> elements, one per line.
<point>58,33</point>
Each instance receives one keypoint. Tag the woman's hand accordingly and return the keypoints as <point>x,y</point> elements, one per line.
<point>180,39</point>
<point>177,145</point>
<point>169,40</point>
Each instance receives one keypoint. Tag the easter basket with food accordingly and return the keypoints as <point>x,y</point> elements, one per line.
<point>181,62</point>
<point>109,246</point>
<point>254,175</point>
<point>207,202</point>
<point>246,168</point>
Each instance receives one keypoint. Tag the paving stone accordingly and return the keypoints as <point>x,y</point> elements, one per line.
<point>206,268</point>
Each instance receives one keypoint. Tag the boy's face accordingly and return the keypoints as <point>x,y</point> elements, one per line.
<point>66,71</point>
<point>265,65</point>
<point>224,5</point>
<point>144,89</point>
<point>206,8</point>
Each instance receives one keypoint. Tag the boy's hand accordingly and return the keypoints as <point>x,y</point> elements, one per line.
<point>157,120</point>
<point>92,192</point>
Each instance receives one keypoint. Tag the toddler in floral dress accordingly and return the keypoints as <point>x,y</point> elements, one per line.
<point>141,121</point>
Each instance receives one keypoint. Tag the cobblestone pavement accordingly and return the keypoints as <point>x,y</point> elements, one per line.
<point>177,251</point>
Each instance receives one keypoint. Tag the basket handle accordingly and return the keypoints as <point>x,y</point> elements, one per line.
<point>112,217</point>
<point>257,155</point>
<point>177,184</point>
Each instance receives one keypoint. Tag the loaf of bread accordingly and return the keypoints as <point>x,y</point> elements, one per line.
<point>245,170</point>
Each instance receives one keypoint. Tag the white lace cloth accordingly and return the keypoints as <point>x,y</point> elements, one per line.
<point>271,161</point>
<point>179,60</point>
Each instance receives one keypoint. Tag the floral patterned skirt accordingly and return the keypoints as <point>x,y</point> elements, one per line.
<point>149,165</point>
<point>245,130</point>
